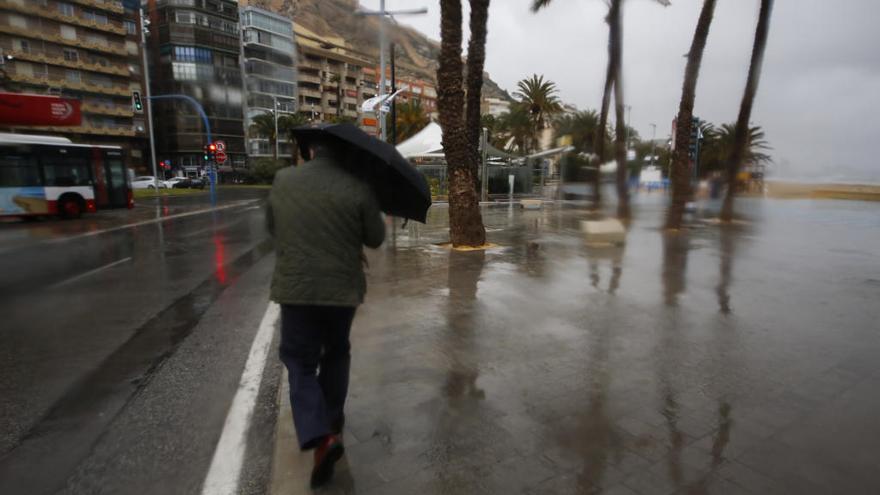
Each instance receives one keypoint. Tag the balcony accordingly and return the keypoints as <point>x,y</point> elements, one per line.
<point>80,65</point>
<point>55,15</point>
<point>116,49</point>
<point>115,110</point>
<point>75,86</point>
<point>308,78</point>
<point>121,131</point>
<point>107,5</point>
<point>309,92</point>
<point>311,64</point>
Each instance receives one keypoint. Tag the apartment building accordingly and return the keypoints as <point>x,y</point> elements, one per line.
<point>269,66</point>
<point>330,78</point>
<point>195,48</point>
<point>87,50</point>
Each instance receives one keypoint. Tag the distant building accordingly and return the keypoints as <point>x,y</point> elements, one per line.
<point>195,47</point>
<point>269,62</point>
<point>411,88</point>
<point>80,49</point>
<point>494,106</point>
<point>330,77</point>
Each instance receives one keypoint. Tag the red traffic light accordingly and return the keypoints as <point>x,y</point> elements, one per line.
<point>212,147</point>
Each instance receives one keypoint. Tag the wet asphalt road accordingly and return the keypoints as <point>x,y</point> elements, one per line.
<point>121,347</point>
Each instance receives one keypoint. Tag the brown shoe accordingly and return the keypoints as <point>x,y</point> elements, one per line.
<point>328,452</point>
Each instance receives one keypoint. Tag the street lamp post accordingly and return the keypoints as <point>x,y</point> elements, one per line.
<point>653,142</point>
<point>153,157</point>
<point>382,41</point>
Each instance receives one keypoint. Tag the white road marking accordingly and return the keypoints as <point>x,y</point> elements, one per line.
<point>223,476</point>
<point>151,221</point>
<point>89,273</point>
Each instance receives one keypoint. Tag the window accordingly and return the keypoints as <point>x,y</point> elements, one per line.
<point>184,17</point>
<point>96,39</point>
<point>130,27</point>
<point>100,80</point>
<point>184,72</point>
<point>131,47</point>
<point>95,17</point>
<point>18,21</point>
<point>18,168</point>
<point>71,55</point>
<point>65,9</point>
<point>73,76</point>
<point>193,54</point>
<point>68,32</point>
<point>22,45</point>
<point>66,171</point>
<point>24,68</point>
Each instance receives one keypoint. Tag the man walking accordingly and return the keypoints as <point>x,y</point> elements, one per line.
<point>321,215</point>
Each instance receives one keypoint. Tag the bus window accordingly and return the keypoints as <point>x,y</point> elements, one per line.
<point>18,169</point>
<point>66,171</point>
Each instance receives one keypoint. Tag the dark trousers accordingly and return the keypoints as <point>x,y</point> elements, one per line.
<point>315,350</point>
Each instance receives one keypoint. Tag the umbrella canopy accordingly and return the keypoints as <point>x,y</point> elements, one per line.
<point>401,189</point>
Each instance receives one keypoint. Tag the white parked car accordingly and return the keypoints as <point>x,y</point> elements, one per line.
<point>147,182</point>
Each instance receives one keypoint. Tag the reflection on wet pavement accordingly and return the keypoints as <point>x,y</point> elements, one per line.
<point>718,360</point>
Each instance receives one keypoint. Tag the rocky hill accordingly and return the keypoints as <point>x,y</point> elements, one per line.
<point>417,53</point>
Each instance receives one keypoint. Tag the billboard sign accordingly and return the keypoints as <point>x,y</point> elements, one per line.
<point>27,109</point>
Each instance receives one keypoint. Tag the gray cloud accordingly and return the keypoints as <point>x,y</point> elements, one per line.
<point>820,91</point>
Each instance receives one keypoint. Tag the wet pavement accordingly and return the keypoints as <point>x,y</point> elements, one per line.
<point>719,360</point>
<point>122,342</point>
<point>736,359</point>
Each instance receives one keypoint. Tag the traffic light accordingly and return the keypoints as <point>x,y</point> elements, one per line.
<point>210,152</point>
<point>136,102</point>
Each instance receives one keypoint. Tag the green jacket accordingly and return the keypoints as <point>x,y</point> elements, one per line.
<point>321,217</point>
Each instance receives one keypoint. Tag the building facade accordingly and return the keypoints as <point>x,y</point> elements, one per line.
<point>269,66</point>
<point>330,79</point>
<point>195,47</point>
<point>87,50</point>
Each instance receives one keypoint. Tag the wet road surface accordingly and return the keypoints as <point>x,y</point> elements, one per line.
<point>121,346</point>
<point>721,360</point>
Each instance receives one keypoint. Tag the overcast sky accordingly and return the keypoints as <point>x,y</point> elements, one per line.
<point>819,98</point>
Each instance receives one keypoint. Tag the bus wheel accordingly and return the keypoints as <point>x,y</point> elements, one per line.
<point>70,208</point>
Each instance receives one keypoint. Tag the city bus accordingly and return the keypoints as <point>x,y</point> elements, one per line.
<point>48,175</point>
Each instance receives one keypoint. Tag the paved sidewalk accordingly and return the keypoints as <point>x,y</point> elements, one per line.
<point>721,360</point>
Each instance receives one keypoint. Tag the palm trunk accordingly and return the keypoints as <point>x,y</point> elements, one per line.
<point>475,61</point>
<point>600,134</point>
<point>681,182</point>
<point>465,222</point>
<point>616,48</point>
<point>741,135</point>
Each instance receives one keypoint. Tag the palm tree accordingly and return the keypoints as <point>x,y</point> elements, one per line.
<point>465,221</point>
<point>613,78</point>
<point>539,97</point>
<point>681,182</point>
<point>581,126</point>
<point>741,134</point>
<point>514,129</point>
<point>286,125</point>
<point>476,59</point>
<point>263,125</point>
<point>411,118</point>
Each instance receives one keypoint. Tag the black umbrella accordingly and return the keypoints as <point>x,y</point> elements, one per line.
<point>401,189</point>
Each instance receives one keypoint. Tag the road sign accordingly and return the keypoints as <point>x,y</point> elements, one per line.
<point>221,146</point>
<point>220,157</point>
